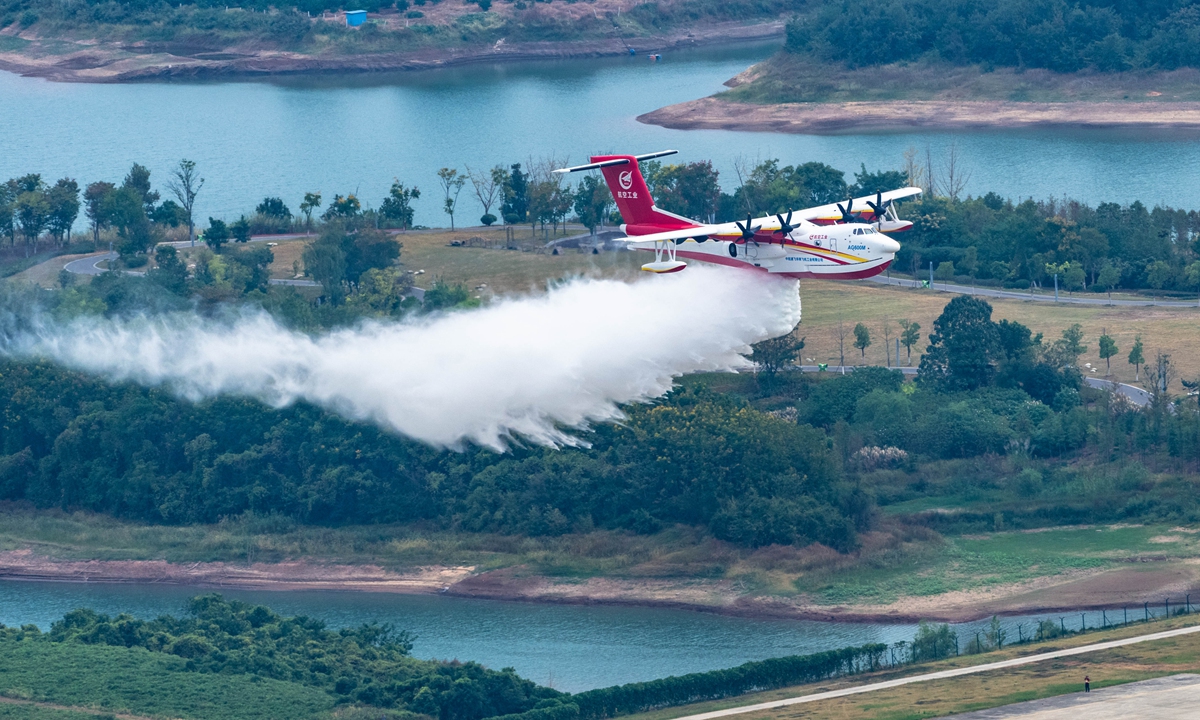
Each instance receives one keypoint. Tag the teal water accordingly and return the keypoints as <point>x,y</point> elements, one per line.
<point>572,647</point>
<point>355,133</point>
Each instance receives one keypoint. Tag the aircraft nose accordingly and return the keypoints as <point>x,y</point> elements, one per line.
<point>888,245</point>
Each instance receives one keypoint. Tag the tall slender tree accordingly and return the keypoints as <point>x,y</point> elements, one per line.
<point>185,185</point>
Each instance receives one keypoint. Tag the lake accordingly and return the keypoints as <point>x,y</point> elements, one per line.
<point>571,647</point>
<point>356,133</point>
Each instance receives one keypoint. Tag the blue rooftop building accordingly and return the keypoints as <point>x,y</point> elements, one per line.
<point>354,18</point>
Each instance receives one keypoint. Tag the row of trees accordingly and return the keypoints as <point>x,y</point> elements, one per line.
<point>30,208</point>
<point>1061,35</point>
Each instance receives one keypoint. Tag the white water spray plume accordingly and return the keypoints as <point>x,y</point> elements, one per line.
<point>527,366</point>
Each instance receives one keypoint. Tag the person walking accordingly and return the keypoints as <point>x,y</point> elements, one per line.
<point>1087,684</point>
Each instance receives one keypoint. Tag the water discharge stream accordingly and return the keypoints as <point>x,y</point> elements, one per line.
<point>529,366</point>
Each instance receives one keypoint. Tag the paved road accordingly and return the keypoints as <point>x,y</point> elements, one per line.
<point>1012,295</point>
<point>91,266</point>
<point>1136,395</point>
<point>1175,697</point>
<point>956,672</point>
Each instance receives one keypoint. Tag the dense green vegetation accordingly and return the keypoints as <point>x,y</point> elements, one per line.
<point>1059,35</point>
<point>701,459</point>
<point>205,26</point>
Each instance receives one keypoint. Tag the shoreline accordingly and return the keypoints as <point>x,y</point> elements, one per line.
<point>714,113</point>
<point>1052,594</point>
<point>98,64</point>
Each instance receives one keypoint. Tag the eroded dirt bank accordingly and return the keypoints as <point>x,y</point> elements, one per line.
<point>714,113</point>
<point>1112,588</point>
<point>104,63</point>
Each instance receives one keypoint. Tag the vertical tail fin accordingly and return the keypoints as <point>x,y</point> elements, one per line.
<point>631,194</point>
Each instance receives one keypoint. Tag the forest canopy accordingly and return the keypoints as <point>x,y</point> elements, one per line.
<point>1059,35</point>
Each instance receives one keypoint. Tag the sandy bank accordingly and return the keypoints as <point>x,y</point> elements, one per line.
<point>713,113</point>
<point>1113,588</point>
<point>301,575</point>
<point>105,63</point>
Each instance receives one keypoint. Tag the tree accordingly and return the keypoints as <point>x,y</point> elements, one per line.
<point>274,207</point>
<point>592,201</point>
<point>1109,276</point>
<point>887,343</point>
<point>1071,346</point>
<point>63,200</point>
<point>168,213</point>
<point>452,185</point>
<point>94,198</point>
<point>8,197</point>
<point>185,186</point>
<point>862,338</point>
<point>138,180</point>
<point>339,257</point>
<point>397,206</point>
<point>32,209</point>
<point>869,183</point>
<point>1074,277</point>
<point>343,208</point>
<point>239,230</point>
<point>692,189</point>
<point>311,201</point>
<point>1158,273</point>
<point>516,197</point>
<point>216,235</point>
<point>964,346</point>
<point>1136,357</point>
<point>772,355</point>
<point>487,184</point>
<point>910,335</point>
<point>1108,348</point>
<point>945,271</point>
<point>170,272</point>
<point>1192,273</point>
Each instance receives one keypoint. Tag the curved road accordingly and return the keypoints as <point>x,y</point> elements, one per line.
<point>91,266</point>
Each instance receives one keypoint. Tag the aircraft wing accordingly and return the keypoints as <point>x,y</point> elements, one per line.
<point>831,212</point>
<point>699,231</point>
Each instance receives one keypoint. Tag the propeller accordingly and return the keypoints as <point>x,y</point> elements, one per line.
<point>785,225</point>
<point>879,207</point>
<point>748,230</point>
<point>847,216</point>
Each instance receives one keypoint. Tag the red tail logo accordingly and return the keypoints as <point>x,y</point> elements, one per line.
<point>633,199</point>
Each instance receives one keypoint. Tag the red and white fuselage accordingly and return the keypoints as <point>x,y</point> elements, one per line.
<point>834,241</point>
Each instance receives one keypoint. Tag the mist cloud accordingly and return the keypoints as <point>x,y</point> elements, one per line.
<point>532,366</point>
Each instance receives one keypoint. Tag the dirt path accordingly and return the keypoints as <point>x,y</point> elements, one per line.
<point>1112,588</point>
<point>107,63</point>
<point>713,113</point>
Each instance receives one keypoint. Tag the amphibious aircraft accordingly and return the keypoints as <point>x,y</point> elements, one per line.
<point>847,240</point>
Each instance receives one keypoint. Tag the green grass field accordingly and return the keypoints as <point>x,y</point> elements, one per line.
<point>136,681</point>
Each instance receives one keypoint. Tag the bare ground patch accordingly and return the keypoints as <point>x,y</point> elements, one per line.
<point>713,113</point>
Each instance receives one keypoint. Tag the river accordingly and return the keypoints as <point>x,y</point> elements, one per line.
<point>570,647</point>
<point>356,133</point>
